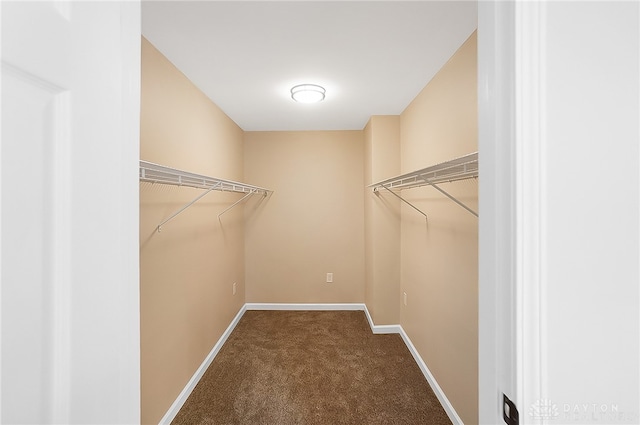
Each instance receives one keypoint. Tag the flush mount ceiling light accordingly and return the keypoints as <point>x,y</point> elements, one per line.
<point>307,93</point>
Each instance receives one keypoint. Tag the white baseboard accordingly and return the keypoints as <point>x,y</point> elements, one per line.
<point>182,398</point>
<point>305,306</point>
<point>446,404</point>
<point>376,329</point>
<point>381,329</point>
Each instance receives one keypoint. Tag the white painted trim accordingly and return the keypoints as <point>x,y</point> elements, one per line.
<point>386,329</point>
<point>530,144</point>
<point>182,398</point>
<point>448,407</point>
<point>369,318</point>
<point>1,220</point>
<point>381,329</point>
<point>497,232</point>
<point>129,396</point>
<point>305,306</point>
<point>61,260</point>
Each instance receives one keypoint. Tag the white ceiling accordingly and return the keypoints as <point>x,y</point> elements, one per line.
<point>373,58</point>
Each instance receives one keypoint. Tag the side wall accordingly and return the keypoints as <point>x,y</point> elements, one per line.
<point>312,223</point>
<point>187,270</point>
<point>382,221</point>
<point>439,257</point>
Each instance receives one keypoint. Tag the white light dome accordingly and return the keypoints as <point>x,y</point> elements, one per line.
<point>307,93</point>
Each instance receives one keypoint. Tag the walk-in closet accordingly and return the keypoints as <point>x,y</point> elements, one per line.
<point>373,210</point>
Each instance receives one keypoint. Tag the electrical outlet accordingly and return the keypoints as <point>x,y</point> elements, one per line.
<point>329,277</point>
<point>234,287</point>
<point>404,298</point>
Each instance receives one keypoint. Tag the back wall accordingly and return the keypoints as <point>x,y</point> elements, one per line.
<point>312,223</point>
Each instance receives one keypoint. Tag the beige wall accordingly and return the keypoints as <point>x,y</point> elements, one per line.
<point>382,221</point>
<point>187,270</point>
<point>312,223</point>
<point>439,266</point>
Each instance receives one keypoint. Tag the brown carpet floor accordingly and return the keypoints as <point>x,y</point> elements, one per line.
<point>311,367</point>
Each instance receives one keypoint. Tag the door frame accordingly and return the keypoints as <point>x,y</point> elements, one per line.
<point>511,192</point>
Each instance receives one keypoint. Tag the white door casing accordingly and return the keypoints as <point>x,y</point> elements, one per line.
<point>68,184</point>
<point>497,204</point>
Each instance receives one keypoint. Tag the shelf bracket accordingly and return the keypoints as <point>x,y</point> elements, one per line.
<point>237,202</point>
<point>404,200</point>
<point>186,206</point>
<point>449,196</point>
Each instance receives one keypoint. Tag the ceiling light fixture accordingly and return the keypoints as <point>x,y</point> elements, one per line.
<point>307,93</point>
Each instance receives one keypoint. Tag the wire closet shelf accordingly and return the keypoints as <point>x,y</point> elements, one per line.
<point>160,174</point>
<point>462,168</point>
<point>155,173</point>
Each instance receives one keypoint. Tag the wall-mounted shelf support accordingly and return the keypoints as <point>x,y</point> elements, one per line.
<point>155,173</point>
<point>185,207</point>
<point>403,200</point>
<point>236,203</point>
<point>462,168</point>
<point>453,199</point>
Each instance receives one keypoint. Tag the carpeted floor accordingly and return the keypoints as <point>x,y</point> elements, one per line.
<point>311,367</point>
